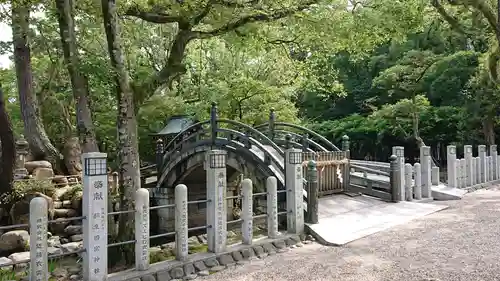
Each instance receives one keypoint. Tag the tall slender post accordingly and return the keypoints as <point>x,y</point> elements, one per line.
<point>490,168</point>
<point>484,165</point>
<point>271,128</point>
<point>142,229</point>
<point>181,223</point>
<point>417,188</point>
<point>217,205</point>
<point>478,170</point>
<point>474,171</point>
<point>408,182</point>
<point>95,211</point>
<point>38,239</point>
<point>451,152</point>
<point>304,143</point>
<point>247,211</point>
<point>399,151</point>
<point>159,154</point>
<point>435,175</point>
<point>425,163</point>
<point>272,207</point>
<point>468,165</point>
<point>213,122</point>
<point>22,147</point>
<point>294,185</point>
<point>312,192</point>
<point>394,179</point>
<point>346,173</point>
<point>461,172</point>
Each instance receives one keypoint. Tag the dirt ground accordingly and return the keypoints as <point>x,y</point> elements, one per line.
<point>459,243</point>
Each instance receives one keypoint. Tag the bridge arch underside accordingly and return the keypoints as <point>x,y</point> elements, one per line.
<point>188,168</point>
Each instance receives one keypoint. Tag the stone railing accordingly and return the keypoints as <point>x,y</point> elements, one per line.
<point>94,249</point>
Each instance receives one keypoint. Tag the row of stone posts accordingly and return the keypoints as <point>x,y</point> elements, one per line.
<point>95,230</point>
<point>470,170</point>
<point>413,182</point>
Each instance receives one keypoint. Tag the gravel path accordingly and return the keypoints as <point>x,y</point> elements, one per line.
<point>459,243</point>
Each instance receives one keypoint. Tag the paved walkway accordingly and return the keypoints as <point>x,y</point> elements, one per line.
<point>459,243</point>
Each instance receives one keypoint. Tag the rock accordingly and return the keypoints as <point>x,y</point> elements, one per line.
<point>60,272</point>
<point>168,246</point>
<point>193,240</point>
<point>237,256</point>
<point>243,262</point>
<point>177,272</point>
<point>3,262</point>
<point>190,277</point>
<point>19,213</point>
<point>189,269</point>
<point>74,269</point>
<point>32,165</point>
<point>73,230</point>
<point>211,262</point>
<point>73,181</point>
<point>280,244</point>
<point>258,250</point>
<point>163,276</point>
<point>57,204</point>
<point>54,251</point>
<point>296,238</point>
<point>65,213</point>
<point>309,237</point>
<point>59,227</point>
<point>247,253</point>
<point>284,250</point>
<point>199,266</point>
<point>307,242</point>
<point>290,242</point>
<point>204,273</point>
<point>66,204</point>
<point>269,248</point>
<point>76,238</point>
<point>61,191</point>
<point>217,268</point>
<point>74,277</point>
<point>72,154</point>
<point>43,173</point>
<point>299,245</point>
<point>71,247</point>
<point>77,200</point>
<point>153,250</point>
<point>231,234</point>
<point>225,259</point>
<point>19,257</point>
<point>202,239</point>
<point>15,240</point>
<point>148,277</point>
<point>64,240</point>
<point>60,180</point>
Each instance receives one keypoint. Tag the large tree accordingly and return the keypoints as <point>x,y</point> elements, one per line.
<point>7,148</point>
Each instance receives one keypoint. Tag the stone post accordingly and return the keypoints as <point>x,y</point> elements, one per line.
<point>474,171</point>
<point>425,163</point>
<point>451,152</point>
<point>482,159</point>
<point>346,173</point>
<point>417,188</point>
<point>247,211</point>
<point>490,168</point>
<point>142,229</point>
<point>22,147</point>
<point>494,159</point>
<point>478,170</point>
<point>294,186</point>
<point>469,168</point>
<point>394,175</point>
<point>463,174</point>
<point>272,207</point>
<point>435,175</point>
<point>312,192</point>
<point>38,239</point>
<point>408,182</point>
<point>95,211</point>
<point>399,151</point>
<point>272,119</point>
<point>181,223</point>
<point>216,205</point>
<point>160,149</point>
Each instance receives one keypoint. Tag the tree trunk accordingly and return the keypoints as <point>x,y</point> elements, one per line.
<point>489,130</point>
<point>39,142</point>
<point>86,132</point>
<point>8,151</point>
<point>128,156</point>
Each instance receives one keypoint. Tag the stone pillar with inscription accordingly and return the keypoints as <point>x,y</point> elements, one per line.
<point>94,208</point>
<point>435,175</point>
<point>272,207</point>
<point>408,182</point>
<point>399,151</point>
<point>247,211</point>
<point>469,166</point>
<point>215,164</point>
<point>481,151</point>
<point>38,239</point>
<point>478,170</point>
<point>425,164</point>
<point>294,183</point>
<point>181,222</point>
<point>142,229</point>
<point>451,160</point>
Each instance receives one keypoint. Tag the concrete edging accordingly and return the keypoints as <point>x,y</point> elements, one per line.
<point>482,186</point>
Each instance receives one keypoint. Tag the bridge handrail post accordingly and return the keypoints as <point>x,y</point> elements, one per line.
<point>142,229</point>
<point>395,182</point>
<point>312,192</point>
<point>469,166</point>
<point>451,156</point>
<point>213,122</point>
<point>271,126</point>
<point>295,189</point>
<point>272,207</point>
<point>216,195</point>
<point>247,211</point>
<point>347,168</point>
<point>417,188</point>
<point>408,182</point>
<point>399,151</point>
<point>425,162</point>
<point>181,223</point>
<point>159,154</point>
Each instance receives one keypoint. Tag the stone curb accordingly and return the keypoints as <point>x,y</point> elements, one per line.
<point>203,264</point>
<point>482,186</point>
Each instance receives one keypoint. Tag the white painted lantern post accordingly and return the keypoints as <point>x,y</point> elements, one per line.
<point>451,160</point>
<point>294,183</point>
<point>95,207</point>
<point>215,164</point>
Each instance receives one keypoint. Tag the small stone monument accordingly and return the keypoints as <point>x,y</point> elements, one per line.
<point>22,151</point>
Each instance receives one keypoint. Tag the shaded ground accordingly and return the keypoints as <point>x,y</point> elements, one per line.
<point>459,243</point>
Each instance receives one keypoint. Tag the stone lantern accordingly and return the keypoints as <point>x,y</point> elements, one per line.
<point>22,147</point>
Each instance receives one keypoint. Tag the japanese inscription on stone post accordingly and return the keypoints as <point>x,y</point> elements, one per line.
<point>142,229</point>
<point>216,194</point>
<point>38,239</point>
<point>181,222</point>
<point>95,206</point>
<point>221,189</point>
